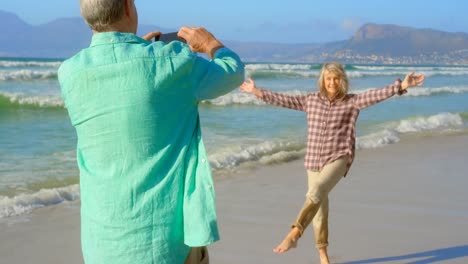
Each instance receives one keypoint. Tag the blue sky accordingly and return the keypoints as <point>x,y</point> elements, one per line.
<point>287,21</point>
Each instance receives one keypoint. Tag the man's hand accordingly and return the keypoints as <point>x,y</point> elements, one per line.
<point>151,35</point>
<point>200,40</point>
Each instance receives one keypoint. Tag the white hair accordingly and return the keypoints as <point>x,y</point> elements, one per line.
<point>100,14</point>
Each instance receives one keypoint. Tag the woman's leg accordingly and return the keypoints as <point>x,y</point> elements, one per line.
<point>320,225</point>
<point>304,217</point>
<point>320,185</point>
<point>320,220</point>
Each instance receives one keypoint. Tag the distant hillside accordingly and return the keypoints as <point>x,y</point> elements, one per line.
<point>387,43</point>
<point>271,52</point>
<point>372,43</point>
<point>60,38</point>
<point>392,40</point>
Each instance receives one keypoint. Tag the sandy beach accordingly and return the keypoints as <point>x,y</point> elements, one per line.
<point>403,203</point>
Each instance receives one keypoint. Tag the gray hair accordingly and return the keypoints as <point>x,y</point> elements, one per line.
<point>100,14</point>
<point>337,68</point>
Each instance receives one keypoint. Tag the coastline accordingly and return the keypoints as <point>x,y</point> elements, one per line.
<point>402,203</point>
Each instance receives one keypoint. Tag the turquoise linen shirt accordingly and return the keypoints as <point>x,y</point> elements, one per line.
<point>146,188</point>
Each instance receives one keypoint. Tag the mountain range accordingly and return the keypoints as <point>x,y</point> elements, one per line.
<point>371,43</point>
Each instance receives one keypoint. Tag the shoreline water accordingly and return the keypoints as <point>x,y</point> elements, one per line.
<point>402,203</point>
<point>37,147</point>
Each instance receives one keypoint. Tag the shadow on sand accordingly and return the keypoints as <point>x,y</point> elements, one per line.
<point>426,257</point>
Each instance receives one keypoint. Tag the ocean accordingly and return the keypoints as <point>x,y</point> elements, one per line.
<point>37,142</point>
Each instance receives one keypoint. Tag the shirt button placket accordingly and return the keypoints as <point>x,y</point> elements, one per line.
<point>322,134</point>
<point>325,113</point>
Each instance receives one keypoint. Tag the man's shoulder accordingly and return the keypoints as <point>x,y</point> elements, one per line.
<point>174,48</point>
<point>68,65</point>
<point>92,57</point>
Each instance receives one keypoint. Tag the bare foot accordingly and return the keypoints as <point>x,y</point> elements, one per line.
<point>287,244</point>
<point>324,256</point>
<point>290,241</point>
<point>324,261</point>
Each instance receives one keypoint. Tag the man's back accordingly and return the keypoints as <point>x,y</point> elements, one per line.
<point>134,107</point>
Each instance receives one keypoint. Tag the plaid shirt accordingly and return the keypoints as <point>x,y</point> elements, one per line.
<point>331,126</point>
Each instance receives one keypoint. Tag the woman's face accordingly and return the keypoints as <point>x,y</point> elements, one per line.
<point>332,84</point>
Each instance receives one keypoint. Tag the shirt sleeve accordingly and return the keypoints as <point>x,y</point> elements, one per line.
<point>296,102</point>
<point>372,97</point>
<point>219,75</point>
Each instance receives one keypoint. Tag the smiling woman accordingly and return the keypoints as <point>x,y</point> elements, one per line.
<point>331,119</point>
<point>333,83</point>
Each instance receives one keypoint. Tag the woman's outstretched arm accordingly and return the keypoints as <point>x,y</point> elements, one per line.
<point>279,99</point>
<point>399,87</point>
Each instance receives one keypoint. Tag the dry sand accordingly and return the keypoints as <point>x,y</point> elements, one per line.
<point>404,203</point>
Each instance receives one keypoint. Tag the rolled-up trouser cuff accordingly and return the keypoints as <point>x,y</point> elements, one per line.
<point>298,226</point>
<point>301,231</point>
<point>321,245</point>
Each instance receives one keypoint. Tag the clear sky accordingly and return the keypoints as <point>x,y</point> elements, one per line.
<point>287,21</point>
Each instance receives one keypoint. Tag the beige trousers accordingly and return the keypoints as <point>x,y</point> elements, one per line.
<point>316,204</point>
<point>198,255</point>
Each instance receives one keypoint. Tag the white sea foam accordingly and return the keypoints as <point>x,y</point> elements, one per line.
<point>265,152</point>
<point>378,139</point>
<point>312,71</point>
<point>27,75</point>
<point>235,98</point>
<point>243,99</point>
<point>422,91</point>
<point>39,100</point>
<point>11,64</point>
<point>248,99</point>
<point>278,67</point>
<point>410,68</point>
<point>402,73</point>
<point>445,121</point>
<point>25,203</point>
<point>392,131</point>
<point>281,151</point>
<point>361,74</point>
<point>272,70</point>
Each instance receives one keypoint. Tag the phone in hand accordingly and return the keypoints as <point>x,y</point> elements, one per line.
<point>168,37</point>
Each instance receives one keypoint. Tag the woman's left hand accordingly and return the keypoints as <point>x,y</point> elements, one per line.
<point>412,80</point>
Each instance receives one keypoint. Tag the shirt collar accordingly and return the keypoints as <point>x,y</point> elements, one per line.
<point>325,100</point>
<point>115,37</point>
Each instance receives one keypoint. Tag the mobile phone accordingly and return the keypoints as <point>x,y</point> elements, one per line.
<point>168,37</point>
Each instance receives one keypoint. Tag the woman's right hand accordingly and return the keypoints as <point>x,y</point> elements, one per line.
<point>412,80</point>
